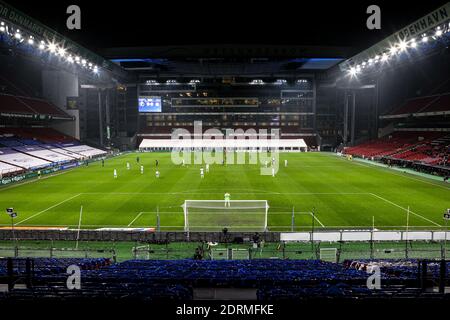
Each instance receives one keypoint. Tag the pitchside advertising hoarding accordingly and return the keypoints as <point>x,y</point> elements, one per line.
<point>29,175</point>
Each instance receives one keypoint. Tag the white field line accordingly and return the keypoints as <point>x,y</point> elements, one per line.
<point>178,193</point>
<point>45,210</point>
<point>137,217</point>
<point>366,228</point>
<point>398,206</point>
<point>315,218</point>
<point>79,220</point>
<point>79,227</point>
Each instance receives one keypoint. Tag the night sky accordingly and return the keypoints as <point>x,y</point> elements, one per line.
<point>133,23</point>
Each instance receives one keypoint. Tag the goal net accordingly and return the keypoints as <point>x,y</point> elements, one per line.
<point>235,215</point>
<point>328,254</point>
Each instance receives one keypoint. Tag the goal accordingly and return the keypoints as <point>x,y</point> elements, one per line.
<point>329,254</point>
<point>235,215</point>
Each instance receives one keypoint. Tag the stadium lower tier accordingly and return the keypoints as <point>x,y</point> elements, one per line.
<point>38,148</point>
<point>431,148</point>
<point>146,280</point>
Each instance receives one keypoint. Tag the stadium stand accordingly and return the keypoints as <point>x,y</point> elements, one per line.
<point>40,147</point>
<point>414,105</point>
<point>177,279</point>
<point>421,106</point>
<point>395,143</point>
<point>442,103</point>
<point>19,159</point>
<point>8,170</point>
<point>30,106</point>
<point>45,154</point>
<point>433,153</point>
<point>84,150</point>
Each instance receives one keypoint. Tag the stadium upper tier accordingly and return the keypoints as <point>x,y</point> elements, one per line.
<point>427,147</point>
<point>35,148</point>
<point>422,106</point>
<point>178,279</point>
<point>16,105</point>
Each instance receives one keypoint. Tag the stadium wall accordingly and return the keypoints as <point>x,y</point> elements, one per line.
<point>232,237</point>
<point>57,86</point>
<point>141,236</point>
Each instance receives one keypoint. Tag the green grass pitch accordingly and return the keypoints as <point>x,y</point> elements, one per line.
<point>344,194</point>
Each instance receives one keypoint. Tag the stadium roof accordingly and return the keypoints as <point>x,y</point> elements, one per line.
<point>25,30</point>
<point>421,37</point>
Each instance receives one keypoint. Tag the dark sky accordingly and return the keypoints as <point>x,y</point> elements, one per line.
<point>174,22</point>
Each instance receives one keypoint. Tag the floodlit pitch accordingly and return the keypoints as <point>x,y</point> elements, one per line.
<point>342,195</point>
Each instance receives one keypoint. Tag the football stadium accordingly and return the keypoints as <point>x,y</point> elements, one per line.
<point>189,174</point>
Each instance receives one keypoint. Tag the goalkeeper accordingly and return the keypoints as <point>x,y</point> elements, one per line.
<point>227,199</point>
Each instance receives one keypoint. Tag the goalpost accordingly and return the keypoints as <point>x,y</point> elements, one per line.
<point>235,215</point>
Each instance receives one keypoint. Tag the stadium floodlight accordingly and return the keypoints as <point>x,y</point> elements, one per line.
<point>353,71</point>
<point>384,57</point>
<point>30,40</point>
<point>61,52</point>
<point>370,61</point>
<point>42,45</point>
<point>52,47</point>
<point>402,45</point>
<point>413,43</point>
<point>2,27</point>
<point>235,215</point>
<point>83,62</point>
<point>438,32</point>
<point>17,35</point>
<point>70,59</point>
<point>392,50</point>
<point>95,69</point>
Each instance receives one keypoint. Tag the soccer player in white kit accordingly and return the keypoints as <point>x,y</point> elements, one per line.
<point>182,162</point>
<point>115,174</point>
<point>142,169</point>
<point>227,199</point>
<point>157,174</point>
<point>128,166</point>
<point>273,172</point>
<point>285,163</point>
<point>202,173</point>
<point>207,168</point>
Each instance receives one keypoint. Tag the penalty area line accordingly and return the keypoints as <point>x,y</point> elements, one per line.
<point>137,217</point>
<point>45,210</point>
<point>403,208</point>
<point>315,218</point>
